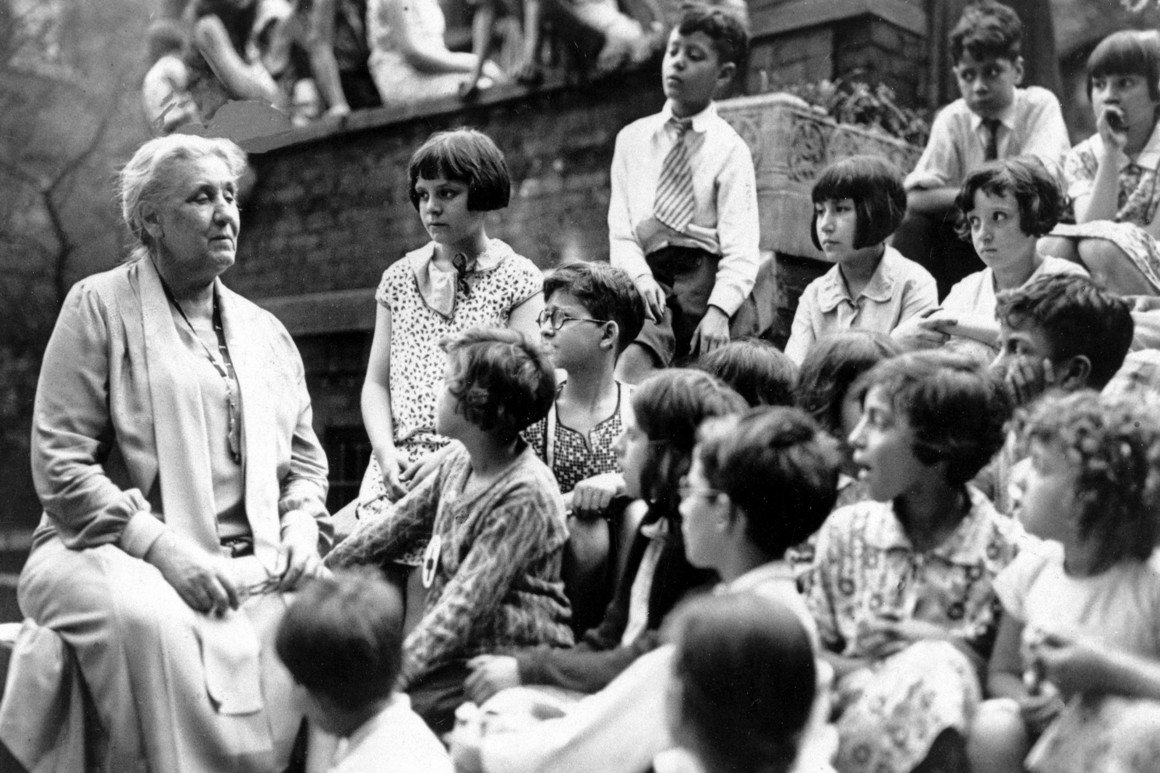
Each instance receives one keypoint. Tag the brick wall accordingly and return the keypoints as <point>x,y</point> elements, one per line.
<point>796,41</point>
<point>331,213</point>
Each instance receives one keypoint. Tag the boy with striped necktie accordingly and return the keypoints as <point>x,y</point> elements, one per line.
<point>682,218</point>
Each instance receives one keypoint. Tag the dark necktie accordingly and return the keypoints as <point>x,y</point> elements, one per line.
<point>992,149</point>
<point>674,202</point>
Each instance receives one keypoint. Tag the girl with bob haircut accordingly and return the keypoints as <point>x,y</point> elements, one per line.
<point>743,683</point>
<point>901,585</point>
<point>858,203</point>
<point>1076,665</point>
<point>459,280</point>
<point>1006,207</point>
<point>1111,176</point>
<point>494,517</point>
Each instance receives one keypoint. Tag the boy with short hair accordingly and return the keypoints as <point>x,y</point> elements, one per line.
<point>593,312</point>
<point>993,119</point>
<point>1061,331</point>
<point>682,217</point>
<point>341,640</point>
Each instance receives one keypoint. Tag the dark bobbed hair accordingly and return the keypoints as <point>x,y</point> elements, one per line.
<point>986,29</point>
<point>779,467</point>
<point>756,369</point>
<point>831,367</point>
<point>1040,200</point>
<point>952,403</point>
<point>747,677</point>
<point>468,156</point>
<point>605,291</point>
<point>723,26</point>
<point>503,382</point>
<point>1114,445</point>
<point>1077,317</point>
<point>668,407</point>
<point>342,637</point>
<point>875,185</point>
<point>1127,52</point>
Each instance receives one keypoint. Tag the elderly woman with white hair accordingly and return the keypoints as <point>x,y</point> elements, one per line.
<point>183,486</point>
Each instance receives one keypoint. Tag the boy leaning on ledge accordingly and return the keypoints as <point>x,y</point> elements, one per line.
<point>682,218</point>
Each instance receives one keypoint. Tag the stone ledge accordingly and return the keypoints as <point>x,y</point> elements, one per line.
<point>391,115</point>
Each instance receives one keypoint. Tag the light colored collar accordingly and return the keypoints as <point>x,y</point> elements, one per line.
<point>879,289</point>
<point>1148,158</point>
<point>440,288</point>
<point>1007,117</point>
<point>701,120</point>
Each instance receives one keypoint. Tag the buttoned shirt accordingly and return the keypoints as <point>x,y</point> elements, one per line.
<point>1032,125</point>
<point>725,221</point>
<point>866,566</point>
<point>898,289</point>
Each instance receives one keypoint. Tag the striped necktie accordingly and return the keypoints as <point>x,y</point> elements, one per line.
<point>991,151</point>
<point>674,203</point>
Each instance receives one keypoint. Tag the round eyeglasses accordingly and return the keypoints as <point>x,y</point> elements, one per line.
<point>555,318</point>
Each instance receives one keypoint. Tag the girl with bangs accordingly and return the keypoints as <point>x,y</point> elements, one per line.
<point>858,203</point>
<point>1112,176</point>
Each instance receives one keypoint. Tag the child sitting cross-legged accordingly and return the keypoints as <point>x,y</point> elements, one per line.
<point>901,586</point>
<point>494,517</point>
<point>341,639</point>
<point>1006,206</point>
<point>654,451</point>
<point>858,202</point>
<point>1076,665</point>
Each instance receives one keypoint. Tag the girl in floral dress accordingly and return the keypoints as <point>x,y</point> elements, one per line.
<point>459,280</point>
<point>1112,175</point>
<point>901,586</point>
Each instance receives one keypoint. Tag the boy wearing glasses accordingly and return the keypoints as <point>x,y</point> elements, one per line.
<point>593,312</point>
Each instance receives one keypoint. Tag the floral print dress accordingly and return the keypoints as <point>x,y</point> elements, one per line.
<point>501,281</point>
<point>866,568</point>
<point>1137,201</point>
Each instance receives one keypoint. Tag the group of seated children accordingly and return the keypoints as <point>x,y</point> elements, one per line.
<point>878,550</point>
